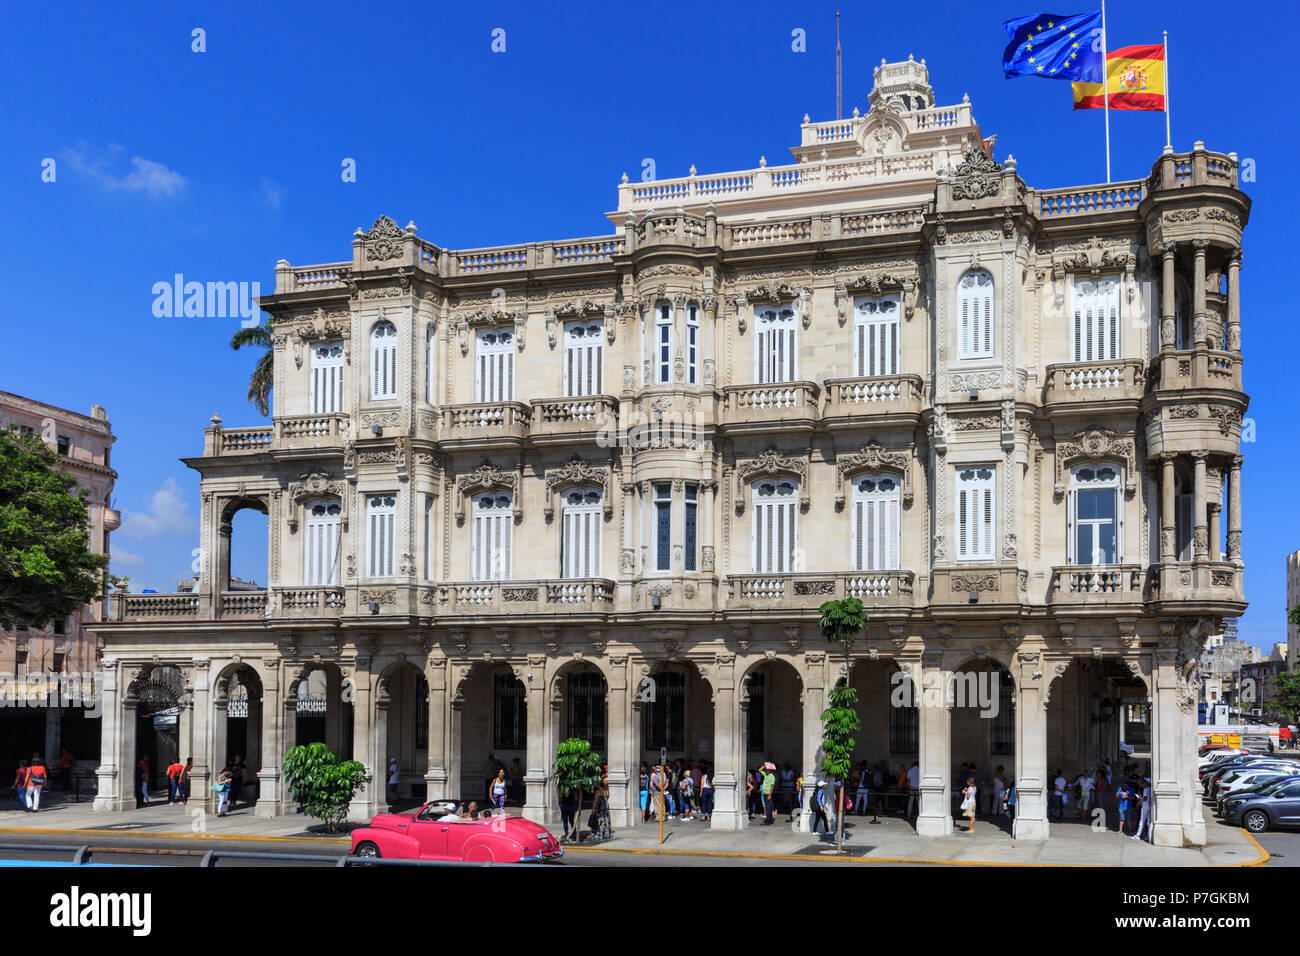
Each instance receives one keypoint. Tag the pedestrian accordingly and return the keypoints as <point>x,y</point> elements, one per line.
<point>499,791</point>
<point>1125,797</point>
<point>517,780</point>
<point>599,821</point>
<point>817,804</point>
<point>706,794</point>
<point>392,779</point>
<point>185,781</point>
<point>1058,797</point>
<point>863,794</point>
<point>645,792</point>
<point>685,789</point>
<point>142,782</point>
<point>174,781</point>
<point>66,763</point>
<point>237,769</point>
<point>751,786</point>
<point>222,789</point>
<point>999,792</point>
<point>20,784</point>
<point>36,774</point>
<point>1010,804</point>
<point>768,792</point>
<point>1144,821</point>
<point>569,813</point>
<point>968,803</point>
<point>1100,786</point>
<point>1085,794</point>
<point>798,801</point>
<point>785,785</point>
<point>913,788</point>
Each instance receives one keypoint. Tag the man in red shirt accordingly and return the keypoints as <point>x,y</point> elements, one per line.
<point>35,782</point>
<point>174,792</point>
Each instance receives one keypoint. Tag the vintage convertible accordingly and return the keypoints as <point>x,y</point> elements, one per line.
<point>489,839</point>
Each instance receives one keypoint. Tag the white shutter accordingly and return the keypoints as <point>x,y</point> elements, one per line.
<point>491,533</point>
<point>584,358</point>
<point>383,361</point>
<point>875,523</point>
<point>1095,318</point>
<point>775,528</point>
<point>976,518</point>
<point>876,337</point>
<point>496,366</point>
<point>380,544</point>
<point>775,345</point>
<point>580,545</point>
<point>326,379</point>
<point>975,315</point>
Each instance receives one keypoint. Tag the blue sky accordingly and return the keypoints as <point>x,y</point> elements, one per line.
<point>216,164</point>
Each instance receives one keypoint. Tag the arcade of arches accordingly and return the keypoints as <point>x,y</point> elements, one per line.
<point>445,709</point>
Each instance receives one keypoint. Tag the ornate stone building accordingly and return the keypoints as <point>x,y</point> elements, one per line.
<point>599,487</point>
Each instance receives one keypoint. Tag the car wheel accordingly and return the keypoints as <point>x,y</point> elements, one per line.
<point>368,851</point>
<point>480,854</point>
<point>1256,821</point>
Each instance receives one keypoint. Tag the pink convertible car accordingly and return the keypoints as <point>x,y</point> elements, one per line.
<point>420,836</point>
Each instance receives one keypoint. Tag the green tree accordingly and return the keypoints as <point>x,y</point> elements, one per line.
<point>321,784</point>
<point>577,770</point>
<point>841,623</point>
<point>1285,698</point>
<point>47,569</point>
<point>259,383</point>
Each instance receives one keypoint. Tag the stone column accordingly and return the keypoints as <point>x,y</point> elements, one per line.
<point>109,773</point>
<point>202,774</point>
<point>435,777</point>
<point>289,730</point>
<point>708,547</point>
<point>1030,821</point>
<point>365,803</point>
<point>726,736</point>
<point>219,715</point>
<point>268,793</point>
<point>536,774</point>
<point>623,779</point>
<point>1168,332</point>
<point>379,736</point>
<point>934,817</point>
<point>814,702</point>
<point>1200,533</point>
<point>1234,302</point>
<point>455,710</point>
<point>1200,317</point>
<point>1168,510</point>
<point>128,755</point>
<point>1215,507</point>
<point>1166,738</point>
<point>1234,511</point>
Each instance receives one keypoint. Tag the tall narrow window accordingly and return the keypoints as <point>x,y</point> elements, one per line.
<point>509,713</point>
<point>428,537</point>
<point>1002,731</point>
<point>905,724</point>
<point>1095,516</point>
<point>875,523</point>
<point>1184,526</point>
<point>580,543</point>
<point>383,361</point>
<point>381,524</point>
<point>327,378</point>
<point>663,343</point>
<point>496,366</point>
<point>492,530</point>
<point>776,526</point>
<point>693,345</point>
<point>587,708</point>
<point>663,526</point>
<point>975,315</point>
<point>584,358</point>
<point>1094,320</point>
<point>875,336</point>
<point>692,507</point>
<point>976,494</point>
<point>665,713</point>
<point>430,366</point>
<point>322,540</point>
<point>775,344</point>
<point>756,715</point>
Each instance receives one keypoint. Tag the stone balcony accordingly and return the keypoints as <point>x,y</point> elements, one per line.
<point>1075,384</point>
<point>485,425</point>
<point>293,431</point>
<point>954,585</point>
<point>780,407</point>
<point>308,602</point>
<point>558,596</point>
<point>1199,584</point>
<point>155,607</point>
<point>1097,587</point>
<point>1196,368</point>
<point>879,399</point>
<point>562,420</point>
<point>809,589</point>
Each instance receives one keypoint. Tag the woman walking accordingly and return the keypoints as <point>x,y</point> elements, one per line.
<point>600,826</point>
<point>818,807</point>
<point>968,804</point>
<point>645,793</point>
<point>750,790</point>
<point>222,790</point>
<point>706,795</point>
<point>499,791</point>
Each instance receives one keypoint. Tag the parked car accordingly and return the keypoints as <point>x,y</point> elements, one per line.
<point>1215,776</point>
<point>1258,812</point>
<point>1205,749</point>
<point>1262,785</point>
<point>1245,779</point>
<point>427,835</point>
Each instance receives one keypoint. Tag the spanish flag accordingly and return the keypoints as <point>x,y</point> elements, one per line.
<point>1135,80</point>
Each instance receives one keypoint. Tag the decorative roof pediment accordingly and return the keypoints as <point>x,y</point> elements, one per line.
<point>1095,443</point>
<point>488,477</point>
<point>575,473</point>
<point>875,457</point>
<point>771,463</point>
<point>977,176</point>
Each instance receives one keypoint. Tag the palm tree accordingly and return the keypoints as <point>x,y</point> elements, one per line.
<point>259,383</point>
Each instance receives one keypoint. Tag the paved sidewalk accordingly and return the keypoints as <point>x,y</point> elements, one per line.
<point>1073,843</point>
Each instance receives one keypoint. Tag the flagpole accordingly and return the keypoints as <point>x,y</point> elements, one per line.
<point>1105,87</point>
<point>1168,141</point>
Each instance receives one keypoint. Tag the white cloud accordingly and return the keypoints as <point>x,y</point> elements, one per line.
<point>272,193</point>
<point>168,514</point>
<point>126,559</point>
<point>146,176</point>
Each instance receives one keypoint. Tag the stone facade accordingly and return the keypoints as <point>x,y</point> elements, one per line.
<point>888,370</point>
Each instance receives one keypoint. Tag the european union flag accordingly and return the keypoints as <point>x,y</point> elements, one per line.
<point>1055,47</point>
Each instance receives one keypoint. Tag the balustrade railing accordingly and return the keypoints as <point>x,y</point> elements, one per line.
<point>811,588</point>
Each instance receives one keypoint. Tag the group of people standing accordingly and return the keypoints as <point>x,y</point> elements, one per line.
<point>682,788</point>
<point>1131,799</point>
<point>32,778</point>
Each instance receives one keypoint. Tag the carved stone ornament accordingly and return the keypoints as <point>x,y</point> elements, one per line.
<point>1095,443</point>
<point>487,477</point>
<point>316,484</point>
<point>1091,256</point>
<point>977,176</point>
<point>575,473</point>
<point>874,457</point>
<point>771,463</point>
<point>384,240</point>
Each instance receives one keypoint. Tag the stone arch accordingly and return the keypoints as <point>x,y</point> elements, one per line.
<point>673,709</point>
<point>1085,700</point>
<point>158,690</point>
<point>770,694</point>
<point>981,692</point>
<point>321,711</point>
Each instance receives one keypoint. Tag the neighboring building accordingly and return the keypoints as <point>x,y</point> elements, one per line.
<point>1279,653</point>
<point>1256,688</point>
<point>1292,600</point>
<point>187,585</point>
<point>599,487</point>
<point>83,444</point>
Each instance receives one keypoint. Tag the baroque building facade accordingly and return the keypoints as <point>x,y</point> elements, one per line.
<point>600,487</point>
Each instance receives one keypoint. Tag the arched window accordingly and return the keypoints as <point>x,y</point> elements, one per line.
<point>492,532</point>
<point>496,365</point>
<point>584,357</point>
<point>1094,320</point>
<point>580,540</point>
<point>875,523</point>
<point>383,362</point>
<point>975,315</point>
<point>322,542</point>
<point>775,534</point>
<point>875,336</point>
<point>776,344</point>
<point>327,378</point>
<point>1095,514</point>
